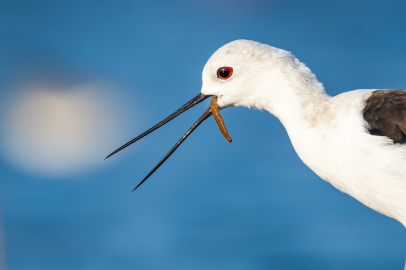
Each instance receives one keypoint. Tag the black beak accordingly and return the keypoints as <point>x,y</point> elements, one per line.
<point>196,100</point>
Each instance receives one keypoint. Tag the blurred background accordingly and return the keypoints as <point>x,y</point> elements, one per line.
<point>80,78</point>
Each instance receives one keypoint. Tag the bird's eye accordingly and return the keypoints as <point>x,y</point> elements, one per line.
<point>224,73</point>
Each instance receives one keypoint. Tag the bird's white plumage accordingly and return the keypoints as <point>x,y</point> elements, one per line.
<point>328,133</point>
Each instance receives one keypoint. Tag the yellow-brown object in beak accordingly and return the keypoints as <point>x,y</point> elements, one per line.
<point>220,122</point>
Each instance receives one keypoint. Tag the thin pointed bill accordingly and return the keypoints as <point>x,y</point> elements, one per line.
<point>212,110</point>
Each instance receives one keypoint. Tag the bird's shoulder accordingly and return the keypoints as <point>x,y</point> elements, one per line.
<point>385,114</point>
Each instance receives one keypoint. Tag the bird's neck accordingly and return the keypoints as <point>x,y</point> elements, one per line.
<point>300,111</point>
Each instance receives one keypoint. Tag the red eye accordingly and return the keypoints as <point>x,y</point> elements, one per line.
<point>224,73</point>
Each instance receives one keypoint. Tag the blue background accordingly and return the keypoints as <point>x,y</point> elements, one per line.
<point>251,204</point>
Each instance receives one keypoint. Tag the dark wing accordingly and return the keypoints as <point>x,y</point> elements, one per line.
<point>385,114</point>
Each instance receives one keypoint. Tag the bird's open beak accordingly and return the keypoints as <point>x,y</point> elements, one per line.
<point>213,109</point>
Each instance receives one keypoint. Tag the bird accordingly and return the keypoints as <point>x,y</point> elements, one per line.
<point>356,140</point>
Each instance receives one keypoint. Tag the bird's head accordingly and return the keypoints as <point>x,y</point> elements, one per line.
<point>249,74</point>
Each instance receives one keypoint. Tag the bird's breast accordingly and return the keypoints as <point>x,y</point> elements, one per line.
<point>369,168</point>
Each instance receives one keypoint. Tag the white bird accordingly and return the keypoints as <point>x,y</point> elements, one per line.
<point>355,141</point>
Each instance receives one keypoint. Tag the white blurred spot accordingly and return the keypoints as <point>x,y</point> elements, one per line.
<point>59,131</point>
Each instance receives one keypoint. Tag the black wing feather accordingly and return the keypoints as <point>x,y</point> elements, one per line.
<point>385,114</point>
